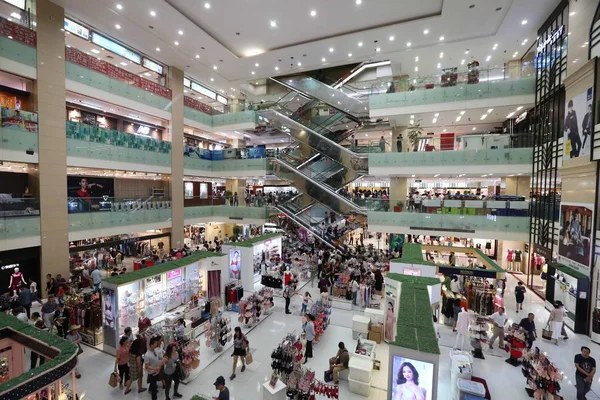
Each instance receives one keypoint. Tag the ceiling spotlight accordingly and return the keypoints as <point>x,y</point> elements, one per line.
<point>253,72</point>
<point>176,43</point>
<point>484,116</point>
<point>524,22</point>
<point>416,69</point>
<point>462,62</point>
<point>276,68</point>
<point>323,59</point>
<point>378,49</point>
<point>490,110</point>
<point>408,44</point>
<point>158,49</point>
<point>442,54</point>
<point>436,115</point>
<point>207,5</point>
<point>434,121</point>
<point>441,38</point>
<point>119,7</point>
<point>510,115</point>
<point>474,128</point>
<point>215,67</point>
<point>331,49</point>
<point>439,65</point>
<point>417,59</point>
<point>572,13</point>
<point>392,38</point>
<point>152,13</point>
<point>358,2</point>
<point>313,13</point>
<point>467,51</point>
<point>412,117</point>
<point>458,118</point>
<point>123,63</point>
<point>349,54</point>
<point>495,46</point>
<point>212,79</point>
<point>299,64</point>
<point>519,108</point>
<point>118,26</point>
<point>197,55</point>
<point>180,32</point>
<point>426,31</point>
<point>412,121</point>
<point>462,113</point>
<point>360,44</point>
<point>273,24</point>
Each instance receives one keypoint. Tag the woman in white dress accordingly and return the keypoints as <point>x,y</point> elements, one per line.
<point>556,322</point>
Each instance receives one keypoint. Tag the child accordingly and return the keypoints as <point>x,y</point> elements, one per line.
<point>61,295</point>
<point>307,297</point>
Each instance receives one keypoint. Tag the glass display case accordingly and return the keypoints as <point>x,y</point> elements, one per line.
<point>572,288</point>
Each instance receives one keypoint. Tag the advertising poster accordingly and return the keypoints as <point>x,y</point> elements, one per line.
<point>109,316</point>
<point>411,379</point>
<point>392,294</point>
<point>235,265</point>
<point>578,125</point>
<point>18,119</point>
<point>88,193</point>
<point>575,240</point>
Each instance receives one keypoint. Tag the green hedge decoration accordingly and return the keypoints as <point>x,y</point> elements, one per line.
<point>415,322</point>
<point>254,240</point>
<point>67,350</point>
<point>160,268</point>
<point>567,270</point>
<point>412,253</point>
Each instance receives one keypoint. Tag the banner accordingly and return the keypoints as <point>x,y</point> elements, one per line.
<point>88,193</point>
<point>578,125</point>
<point>575,238</point>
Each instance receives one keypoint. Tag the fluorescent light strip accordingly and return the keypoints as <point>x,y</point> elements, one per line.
<point>358,71</point>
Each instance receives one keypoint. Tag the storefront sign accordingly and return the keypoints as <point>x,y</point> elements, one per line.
<point>196,105</point>
<point>17,3</point>
<point>204,91</point>
<point>526,248</point>
<point>152,66</point>
<point>543,251</point>
<point>116,48</point>
<point>80,58</point>
<point>176,273</point>
<point>551,39</point>
<point>143,130</point>
<point>222,100</point>
<point>77,29</point>
<point>9,266</point>
<point>17,32</point>
<point>483,273</point>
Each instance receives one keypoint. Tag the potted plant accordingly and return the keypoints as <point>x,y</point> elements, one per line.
<point>228,197</point>
<point>399,206</point>
<point>237,230</point>
<point>414,132</point>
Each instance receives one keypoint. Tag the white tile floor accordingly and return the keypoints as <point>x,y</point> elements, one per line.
<point>504,381</point>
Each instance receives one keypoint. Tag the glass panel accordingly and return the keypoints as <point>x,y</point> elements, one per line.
<point>19,217</point>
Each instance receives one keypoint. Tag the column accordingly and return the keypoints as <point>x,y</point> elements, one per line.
<point>517,186</point>
<point>237,186</point>
<point>396,131</point>
<point>50,96</point>
<point>398,192</point>
<point>176,130</point>
<point>237,143</point>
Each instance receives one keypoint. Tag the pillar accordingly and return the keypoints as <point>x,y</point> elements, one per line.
<point>237,143</point>
<point>50,96</point>
<point>399,130</point>
<point>514,69</point>
<point>517,186</point>
<point>237,186</point>
<point>176,130</point>
<point>398,192</point>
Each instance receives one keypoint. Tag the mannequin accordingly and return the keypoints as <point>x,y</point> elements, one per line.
<point>462,328</point>
<point>16,280</point>
<point>518,260</point>
<point>509,258</point>
<point>498,300</point>
<point>488,247</point>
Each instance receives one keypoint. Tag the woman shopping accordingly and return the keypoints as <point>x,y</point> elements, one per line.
<point>309,331</point>
<point>171,369</point>
<point>556,322</point>
<point>121,362</point>
<point>240,348</point>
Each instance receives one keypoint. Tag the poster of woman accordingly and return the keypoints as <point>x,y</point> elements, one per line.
<point>412,379</point>
<point>235,264</point>
<point>574,246</point>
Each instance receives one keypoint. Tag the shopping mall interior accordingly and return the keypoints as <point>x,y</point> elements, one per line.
<point>345,199</point>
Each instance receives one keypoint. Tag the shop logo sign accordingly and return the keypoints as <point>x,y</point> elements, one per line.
<point>144,130</point>
<point>551,39</point>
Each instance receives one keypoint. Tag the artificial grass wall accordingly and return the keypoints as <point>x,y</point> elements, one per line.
<point>254,240</point>
<point>568,270</point>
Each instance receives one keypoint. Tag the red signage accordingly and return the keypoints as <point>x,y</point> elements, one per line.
<point>90,62</point>
<point>17,32</point>
<point>197,105</point>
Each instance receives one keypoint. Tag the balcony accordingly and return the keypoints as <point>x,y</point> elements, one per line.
<point>92,146</point>
<point>484,88</point>
<point>18,135</point>
<point>18,54</point>
<point>19,223</point>
<point>228,121</point>
<point>502,220</point>
<point>221,209</point>
<point>105,216</point>
<point>224,163</point>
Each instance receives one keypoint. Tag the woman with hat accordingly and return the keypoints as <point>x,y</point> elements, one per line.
<point>74,337</point>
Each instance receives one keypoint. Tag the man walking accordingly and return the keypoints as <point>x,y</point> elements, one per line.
<point>223,391</point>
<point>499,320</point>
<point>585,368</point>
<point>152,363</point>
<point>97,279</point>
<point>528,325</point>
<point>25,300</point>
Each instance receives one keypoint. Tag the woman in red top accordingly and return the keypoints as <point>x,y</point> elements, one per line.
<point>121,362</point>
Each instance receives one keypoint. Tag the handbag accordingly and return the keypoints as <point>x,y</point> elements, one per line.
<point>328,376</point>
<point>113,381</point>
<point>547,332</point>
<point>249,358</point>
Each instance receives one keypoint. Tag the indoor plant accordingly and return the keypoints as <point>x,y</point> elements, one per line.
<point>228,197</point>
<point>399,206</point>
<point>237,230</point>
<point>414,132</point>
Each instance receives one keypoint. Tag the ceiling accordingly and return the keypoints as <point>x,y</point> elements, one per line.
<point>209,47</point>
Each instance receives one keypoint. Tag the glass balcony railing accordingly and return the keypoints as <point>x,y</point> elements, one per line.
<point>18,133</point>
<point>228,165</point>
<point>226,211</point>
<point>116,204</point>
<point>231,118</point>
<point>19,217</point>
<point>503,208</point>
<point>231,201</point>
<point>88,141</point>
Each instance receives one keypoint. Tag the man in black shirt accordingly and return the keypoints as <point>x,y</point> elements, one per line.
<point>528,325</point>
<point>585,368</point>
<point>223,391</point>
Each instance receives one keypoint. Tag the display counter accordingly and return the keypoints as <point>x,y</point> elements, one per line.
<point>572,288</point>
<point>163,293</point>
<point>365,348</point>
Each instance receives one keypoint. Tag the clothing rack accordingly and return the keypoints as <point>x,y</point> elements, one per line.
<point>250,309</point>
<point>479,334</point>
<point>234,292</point>
<point>287,357</point>
<point>542,375</point>
<point>218,332</point>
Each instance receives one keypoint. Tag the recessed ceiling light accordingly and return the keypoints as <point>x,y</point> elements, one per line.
<point>378,49</point>
<point>417,59</point>
<point>253,72</point>
<point>147,74</point>
<point>331,49</point>
<point>349,54</point>
<point>176,43</point>
<point>392,38</point>
<point>490,110</point>
<point>185,91</point>
<point>519,108</point>
<point>572,13</point>
<point>462,112</point>
<point>441,38</point>
<point>439,65</point>
<point>256,65</point>
<point>458,118</point>
<point>412,121</point>
<point>123,63</point>
<point>495,46</point>
<point>488,58</point>
<point>358,2</point>
<point>433,121</point>
<point>273,24</point>
<point>215,67</point>
<point>467,51</point>
<point>524,22</point>
<point>207,5</point>
<point>119,7</point>
<point>197,55</point>
<point>412,117</point>
<point>313,13</point>
<point>416,69</point>
<point>212,79</point>
<point>158,49</point>
<point>323,59</point>
<point>408,44</point>
<point>426,31</point>
<point>475,128</point>
<point>276,68</point>
<point>180,32</point>
<point>95,51</point>
<point>299,64</point>
<point>444,130</point>
<point>442,54</point>
<point>153,13</point>
<point>436,115</point>
<point>510,115</point>
<point>484,116</point>
<point>462,62</point>
<point>118,26</point>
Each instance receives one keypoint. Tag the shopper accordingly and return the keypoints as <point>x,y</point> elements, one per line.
<point>240,347</point>
<point>585,369</point>
<point>152,364</point>
<point>19,313</point>
<point>96,276</point>
<point>287,295</point>
<point>339,362</point>
<point>520,295</point>
<point>180,329</point>
<point>121,362</point>
<point>563,330</point>
<point>171,369</point>
<point>48,310</point>
<point>136,362</point>
<point>75,337</point>
<point>38,323</point>
<point>382,143</point>
<point>499,320</point>
<point>51,286</point>
<point>555,321</point>
<point>35,296</point>
<point>309,331</point>
<point>25,300</point>
<point>305,300</point>
<point>61,320</point>
<point>223,391</point>
<point>528,325</point>
<point>355,289</point>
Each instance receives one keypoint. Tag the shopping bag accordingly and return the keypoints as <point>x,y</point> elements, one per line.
<point>547,332</point>
<point>249,358</point>
<point>113,381</point>
<point>328,376</point>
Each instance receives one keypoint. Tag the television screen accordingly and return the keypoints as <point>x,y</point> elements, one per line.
<point>411,379</point>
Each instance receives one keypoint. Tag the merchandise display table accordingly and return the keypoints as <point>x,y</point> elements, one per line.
<point>359,377</point>
<point>365,349</point>
<point>360,324</point>
<point>376,315</point>
<point>276,393</point>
